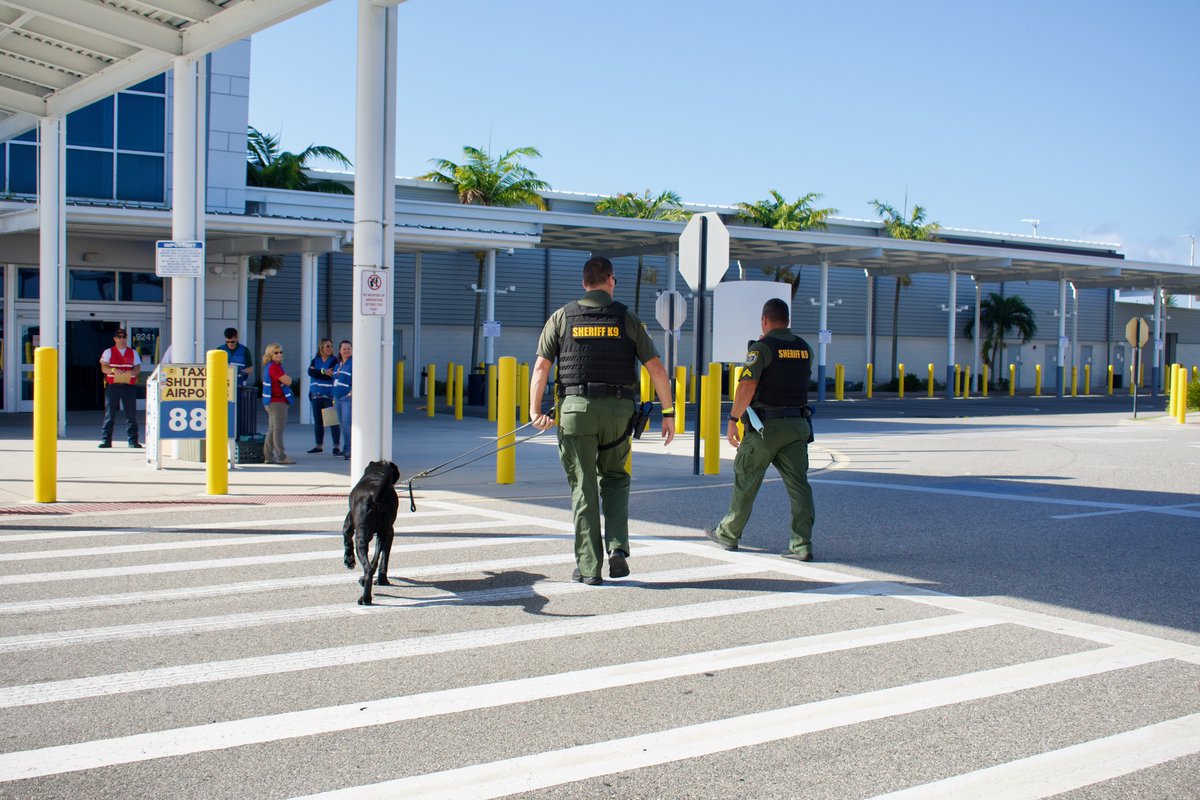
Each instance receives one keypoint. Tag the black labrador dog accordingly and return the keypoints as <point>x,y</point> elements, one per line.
<point>372,515</point>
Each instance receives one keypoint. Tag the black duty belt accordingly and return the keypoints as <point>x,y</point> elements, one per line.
<point>778,413</point>
<point>597,390</point>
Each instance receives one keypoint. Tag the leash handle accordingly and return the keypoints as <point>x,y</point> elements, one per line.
<point>412,504</point>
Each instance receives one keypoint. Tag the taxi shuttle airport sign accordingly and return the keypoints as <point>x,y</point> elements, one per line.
<point>182,412</point>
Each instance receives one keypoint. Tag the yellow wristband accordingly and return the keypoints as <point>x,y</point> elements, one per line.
<point>670,410</point>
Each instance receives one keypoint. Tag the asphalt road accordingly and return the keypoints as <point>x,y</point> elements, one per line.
<point>1003,606</point>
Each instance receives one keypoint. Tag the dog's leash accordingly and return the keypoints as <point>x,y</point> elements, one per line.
<point>434,472</point>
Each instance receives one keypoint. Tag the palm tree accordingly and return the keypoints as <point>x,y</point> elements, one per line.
<point>898,227</point>
<point>666,206</point>
<point>272,168</point>
<point>779,214</point>
<point>998,315</point>
<point>268,166</point>
<point>485,181</point>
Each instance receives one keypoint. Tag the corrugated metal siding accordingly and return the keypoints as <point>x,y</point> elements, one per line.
<point>573,206</point>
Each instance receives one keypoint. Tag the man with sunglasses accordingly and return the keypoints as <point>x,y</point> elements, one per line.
<point>120,365</point>
<point>239,356</point>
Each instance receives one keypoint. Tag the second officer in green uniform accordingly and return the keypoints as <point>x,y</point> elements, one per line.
<point>774,383</point>
<point>597,343</point>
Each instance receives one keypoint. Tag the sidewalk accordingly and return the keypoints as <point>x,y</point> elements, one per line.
<point>88,476</point>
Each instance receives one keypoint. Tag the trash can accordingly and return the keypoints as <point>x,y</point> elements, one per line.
<point>475,388</point>
<point>248,401</point>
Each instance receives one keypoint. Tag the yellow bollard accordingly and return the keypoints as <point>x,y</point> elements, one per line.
<point>712,427</point>
<point>1110,379</point>
<point>870,380</point>
<point>506,420</point>
<point>680,399</point>
<point>731,369</point>
<point>458,391</point>
<point>491,398</point>
<point>1132,380</point>
<point>450,384</point>
<point>957,381</point>
<point>966,384</point>
<point>1037,380</point>
<point>644,384</point>
<point>1087,380</point>
<point>900,385</point>
<point>1074,381</point>
<point>1170,390</point>
<point>930,381</point>
<point>984,382</point>
<point>45,424</point>
<point>1195,373</point>
<point>523,391</point>
<point>218,394</point>
<point>1181,410</point>
<point>399,387</point>
<point>839,382</point>
<point>431,390</point>
<point>1012,379</point>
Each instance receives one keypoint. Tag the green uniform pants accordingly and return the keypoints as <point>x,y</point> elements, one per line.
<point>783,442</point>
<point>598,480</point>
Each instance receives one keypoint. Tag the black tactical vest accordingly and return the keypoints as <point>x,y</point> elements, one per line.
<point>784,383</point>
<point>595,348</point>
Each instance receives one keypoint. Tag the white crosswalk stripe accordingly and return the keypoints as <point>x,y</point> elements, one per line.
<point>456,625</point>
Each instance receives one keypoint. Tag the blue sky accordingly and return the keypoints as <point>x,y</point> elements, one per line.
<point>1082,114</point>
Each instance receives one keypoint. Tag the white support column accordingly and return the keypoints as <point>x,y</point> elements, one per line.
<point>1157,343</point>
<point>822,327</point>
<point>952,321</point>
<point>870,327</point>
<point>52,223</point>
<point>416,337</point>
<point>374,195</point>
<point>1062,336</point>
<point>975,371</point>
<point>489,281</point>
<point>1075,330</point>
<point>187,212</point>
<point>308,330</point>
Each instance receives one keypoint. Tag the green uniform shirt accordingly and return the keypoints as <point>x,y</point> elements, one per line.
<point>556,327</point>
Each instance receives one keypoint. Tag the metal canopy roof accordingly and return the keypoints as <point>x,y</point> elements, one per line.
<point>57,56</point>
<point>878,255</point>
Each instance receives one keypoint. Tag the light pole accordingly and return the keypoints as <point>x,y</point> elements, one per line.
<point>1192,250</point>
<point>1034,223</point>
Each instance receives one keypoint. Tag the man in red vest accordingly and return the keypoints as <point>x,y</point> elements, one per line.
<point>120,365</point>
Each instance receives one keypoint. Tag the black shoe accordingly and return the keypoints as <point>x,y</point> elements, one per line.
<point>717,540</point>
<point>796,556</point>
<point>135,445</point>
<point>317,449</point>
<point>337,452</point>
<point>104,444</point>
<point>617,566</point>
<point>346,456</point>
<point>590,580</point>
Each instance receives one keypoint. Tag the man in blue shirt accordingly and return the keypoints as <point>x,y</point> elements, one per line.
<point>239,356</point>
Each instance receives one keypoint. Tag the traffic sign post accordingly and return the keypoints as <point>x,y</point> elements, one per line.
<point>1137,333</point>
<point>703,260</point>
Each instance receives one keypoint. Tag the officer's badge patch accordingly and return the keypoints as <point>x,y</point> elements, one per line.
<point>751,358</point>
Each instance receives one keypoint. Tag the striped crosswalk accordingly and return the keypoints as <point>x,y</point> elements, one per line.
<point>485,672</point>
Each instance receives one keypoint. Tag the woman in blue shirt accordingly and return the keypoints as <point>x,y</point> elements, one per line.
<point>320,395</point>
<point>343,383</point>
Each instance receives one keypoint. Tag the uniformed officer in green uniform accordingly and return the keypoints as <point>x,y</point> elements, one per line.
<point>597,343</point>
<point>774,383</point>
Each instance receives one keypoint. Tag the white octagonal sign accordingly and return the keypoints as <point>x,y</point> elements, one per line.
<point>706,226</point>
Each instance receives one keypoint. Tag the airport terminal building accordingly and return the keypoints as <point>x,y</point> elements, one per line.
<point>118,184</point>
